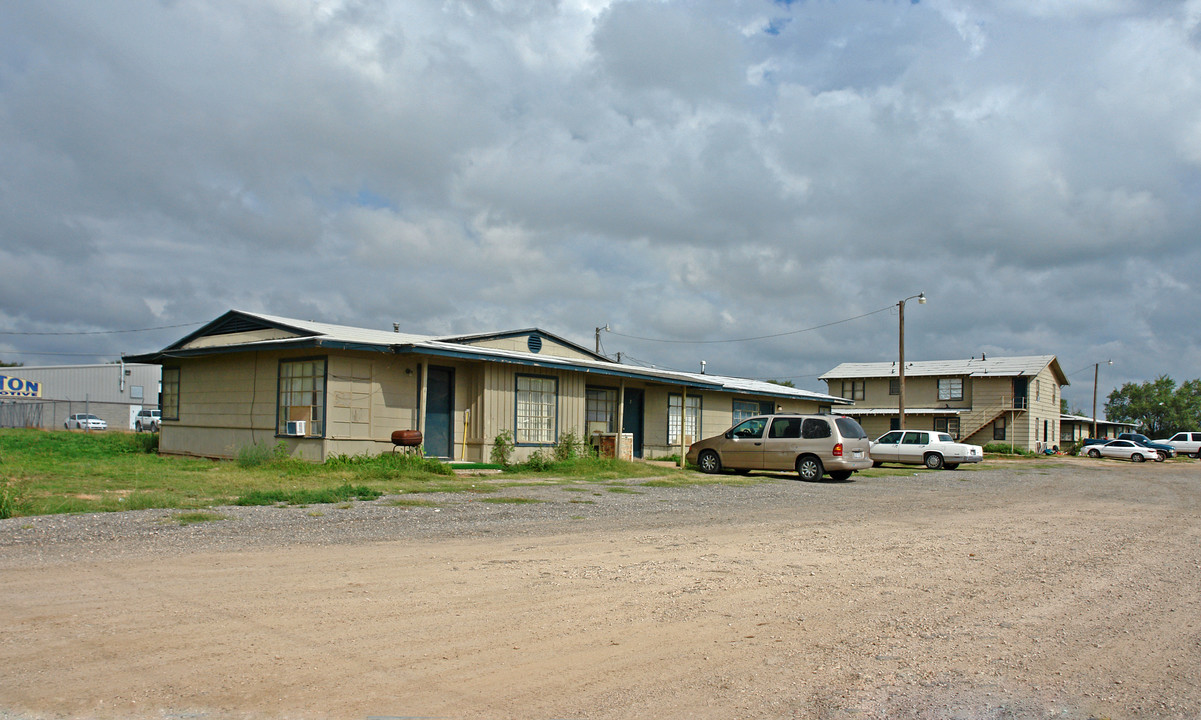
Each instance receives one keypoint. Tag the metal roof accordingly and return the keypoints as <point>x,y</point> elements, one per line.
<point>972,367</point>
<point>310,334</point>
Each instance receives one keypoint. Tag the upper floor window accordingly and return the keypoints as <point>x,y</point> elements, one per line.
<point>853,389</point>
<point>894,386</point>
<point>950,388</point>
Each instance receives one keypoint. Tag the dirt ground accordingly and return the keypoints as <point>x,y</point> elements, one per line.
<point>1067,589</point>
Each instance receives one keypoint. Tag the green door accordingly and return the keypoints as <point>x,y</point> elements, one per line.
<point>439,412</point>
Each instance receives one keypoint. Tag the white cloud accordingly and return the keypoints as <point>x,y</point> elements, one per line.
<point>679,170</point>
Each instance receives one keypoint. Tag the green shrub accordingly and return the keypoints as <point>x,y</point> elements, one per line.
<point>999,448</point>
<point>540,460</point>
<point>569,447</point>
<point>389,465</point>
<point>502,448</point>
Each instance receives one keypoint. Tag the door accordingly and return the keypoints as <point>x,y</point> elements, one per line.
<point>743,448</point>
<point>439,412</point>
<point>913,446</point>
<point>1019,393</point>
<point>632,417</point>
<point>887,448</point>
<point>783,442</point>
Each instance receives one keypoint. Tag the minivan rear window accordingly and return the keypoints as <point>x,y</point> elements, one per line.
<point>848,428</point>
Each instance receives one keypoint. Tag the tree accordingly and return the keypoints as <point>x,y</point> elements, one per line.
<point>1159,408</point>
<point>8,364</point>
<point>785,383</point>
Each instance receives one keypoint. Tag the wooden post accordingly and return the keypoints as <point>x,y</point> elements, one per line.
<point>621,412</point>
<point>683,423</point>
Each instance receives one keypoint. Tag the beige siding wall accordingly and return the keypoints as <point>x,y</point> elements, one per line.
<point>500,410</point>
<point>521,344</point>
<point>227,402</point>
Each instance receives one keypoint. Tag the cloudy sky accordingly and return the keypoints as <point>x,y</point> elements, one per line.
<point>692,174</point>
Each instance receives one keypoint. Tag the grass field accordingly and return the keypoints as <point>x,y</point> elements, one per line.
<point>49,472</point>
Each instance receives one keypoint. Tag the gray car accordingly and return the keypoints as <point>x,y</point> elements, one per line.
<point>812,445</point>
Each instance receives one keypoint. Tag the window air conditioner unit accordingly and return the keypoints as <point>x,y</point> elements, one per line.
<point>294,427</point>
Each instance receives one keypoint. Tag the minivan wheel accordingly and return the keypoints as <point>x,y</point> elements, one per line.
<point>709,462</point>
<point>809,468</point>
<point>934,461</point>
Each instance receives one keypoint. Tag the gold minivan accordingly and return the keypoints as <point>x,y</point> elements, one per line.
<point>813,445</point>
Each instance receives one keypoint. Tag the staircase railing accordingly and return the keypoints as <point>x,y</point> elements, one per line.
<point>978,418</point>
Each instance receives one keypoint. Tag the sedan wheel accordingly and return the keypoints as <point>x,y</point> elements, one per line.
<point>1137,457</point>
<point>809,468</point>
<point>709,462</point>
<point>1094,453</point>
<point>934,461</point>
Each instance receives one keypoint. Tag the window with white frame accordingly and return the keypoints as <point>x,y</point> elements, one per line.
<point>692,418</point>
<point>537,410</point>
<point>600,409</point>
<point>302,396</point>
<point>950,388</point>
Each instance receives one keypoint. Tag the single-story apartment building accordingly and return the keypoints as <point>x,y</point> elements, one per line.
<point>1080,427</point>
<point>326,390</point>
<point>1012,400</point>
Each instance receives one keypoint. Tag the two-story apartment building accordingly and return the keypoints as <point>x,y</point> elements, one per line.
<point>1012,400</point>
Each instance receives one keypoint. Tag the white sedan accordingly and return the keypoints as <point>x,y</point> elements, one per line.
<point>85,421</point>
<point>1124,450</point>
<point>924,447</point>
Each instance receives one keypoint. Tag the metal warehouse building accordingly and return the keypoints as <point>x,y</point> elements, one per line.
<point>45,396</point>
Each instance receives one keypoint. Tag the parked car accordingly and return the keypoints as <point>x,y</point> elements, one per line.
<point>1157,448</point>
<point>924,447</point>
<point>85,421</point>
<point>1188,443</point>
<point>1122,449</point>
<point>148,420</point>
<point>1167,450</point>
<point>812,445</point>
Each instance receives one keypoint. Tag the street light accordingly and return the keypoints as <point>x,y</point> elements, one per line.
<point>1096,372</point>
<point>921,299</point>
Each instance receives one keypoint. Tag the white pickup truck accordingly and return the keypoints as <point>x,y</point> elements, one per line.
<point>1185,443</point>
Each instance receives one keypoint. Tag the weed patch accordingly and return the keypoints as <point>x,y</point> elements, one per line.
<point>191,518</point>
<point>308,496</point>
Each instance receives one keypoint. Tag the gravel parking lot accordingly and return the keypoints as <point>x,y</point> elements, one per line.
<point>1061,588</point>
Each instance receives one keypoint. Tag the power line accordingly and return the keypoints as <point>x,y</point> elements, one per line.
<point>759,337</point>
<point>99,332</point>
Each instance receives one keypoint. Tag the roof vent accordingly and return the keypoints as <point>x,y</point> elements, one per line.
<point>395,327</point>
<point>534,343</point>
